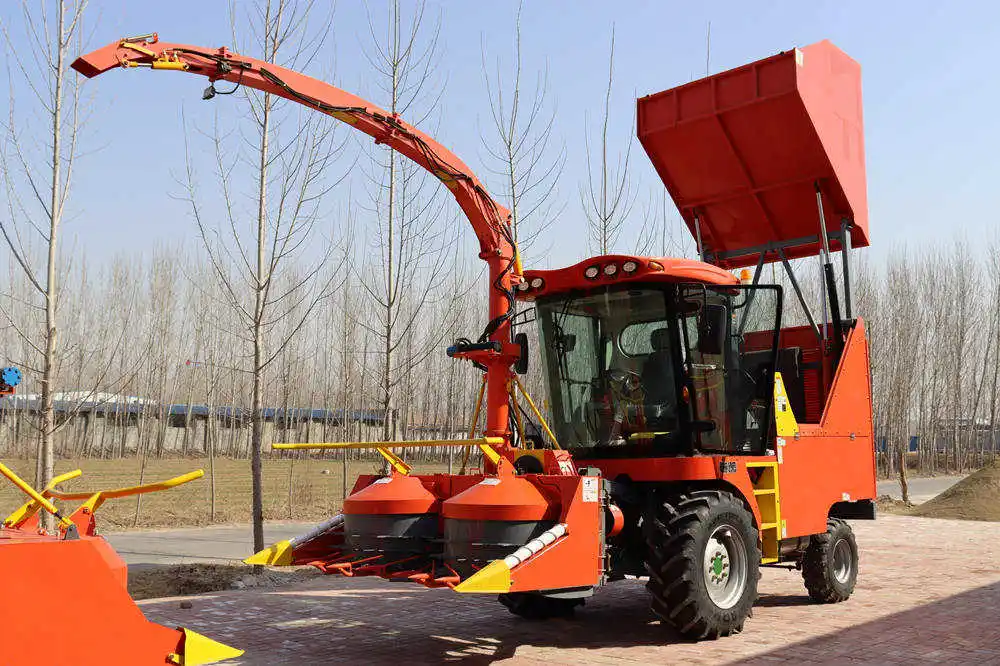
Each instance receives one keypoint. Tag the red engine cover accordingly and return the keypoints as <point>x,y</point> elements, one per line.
<point>510,498</point>
<point>395,494</point>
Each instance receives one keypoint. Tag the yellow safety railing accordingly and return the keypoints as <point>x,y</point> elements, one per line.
<point>95,498</point>
<point>538,414</point>
<point>29,508</point>
<point>36,496</point>
<point>484,443</point>
<point>395,461</point>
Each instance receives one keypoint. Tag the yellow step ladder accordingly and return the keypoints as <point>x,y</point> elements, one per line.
<point>768,496</point>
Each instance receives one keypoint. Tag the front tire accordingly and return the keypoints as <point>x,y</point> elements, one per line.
<point>830,563</point>
<point>703,563</point>
<point>533,606</point>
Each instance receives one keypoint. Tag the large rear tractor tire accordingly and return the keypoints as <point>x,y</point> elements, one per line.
<point>830,563</point>
<point>703,563</point>
<point>532,606</point>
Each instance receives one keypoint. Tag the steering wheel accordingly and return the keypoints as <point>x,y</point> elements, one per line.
<point>626,386</point>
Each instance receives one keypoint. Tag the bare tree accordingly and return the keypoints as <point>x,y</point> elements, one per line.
<point>663,233</point>
<point>964,319</point>
<point>897,335</point>
<point>289,152</point>
<point>526,160</point>
<point>608,197</point>
<point>38,161</point>
<point>415,250</point>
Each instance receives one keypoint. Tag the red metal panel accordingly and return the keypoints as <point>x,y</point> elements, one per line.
<point>64,602</point>
<point>744,148</point>
<point>833,460</point>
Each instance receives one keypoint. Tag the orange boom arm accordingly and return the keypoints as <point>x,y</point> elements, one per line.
<point>489,219</point>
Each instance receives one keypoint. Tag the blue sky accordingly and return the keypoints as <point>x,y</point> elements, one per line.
<point>930,93</point>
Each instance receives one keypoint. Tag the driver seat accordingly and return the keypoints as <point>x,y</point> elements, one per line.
<point>658,381</point>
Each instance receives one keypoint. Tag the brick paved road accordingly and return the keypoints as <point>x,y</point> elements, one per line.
<point>929,592</point>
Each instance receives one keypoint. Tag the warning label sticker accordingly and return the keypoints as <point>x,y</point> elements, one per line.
<point>590,488</point>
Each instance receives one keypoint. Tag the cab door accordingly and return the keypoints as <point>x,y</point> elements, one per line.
<point>729,342</point>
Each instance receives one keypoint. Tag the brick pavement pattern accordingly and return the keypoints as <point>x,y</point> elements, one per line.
<point>928,592</point>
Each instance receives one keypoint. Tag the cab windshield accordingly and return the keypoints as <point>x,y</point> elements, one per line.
<point>659,369</point>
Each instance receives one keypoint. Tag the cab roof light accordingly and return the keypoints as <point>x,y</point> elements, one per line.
<point>630,266</point>
<point>592,272</point>
<point>611,269</point>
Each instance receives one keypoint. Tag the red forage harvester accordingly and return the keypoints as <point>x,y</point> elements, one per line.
<point>688,434</point>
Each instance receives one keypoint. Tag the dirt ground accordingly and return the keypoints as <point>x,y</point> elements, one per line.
<point>300,489</point>
<point>893,505</point>
<point>191,579</point>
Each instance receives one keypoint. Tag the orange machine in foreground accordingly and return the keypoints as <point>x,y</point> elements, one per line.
<point>65,599</point>
<point>688,435</point>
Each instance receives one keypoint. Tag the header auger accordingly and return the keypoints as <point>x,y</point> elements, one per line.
<point>689,437</point>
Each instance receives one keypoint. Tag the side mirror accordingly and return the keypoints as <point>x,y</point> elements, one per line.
<point>521,366</point>
<point>565,343</point>
<point>712,329</point>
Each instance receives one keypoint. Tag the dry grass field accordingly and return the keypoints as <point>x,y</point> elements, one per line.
<point>293,489</point>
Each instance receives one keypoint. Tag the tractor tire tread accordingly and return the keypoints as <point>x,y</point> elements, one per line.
<point>673,562</point>
<point>817,564</point>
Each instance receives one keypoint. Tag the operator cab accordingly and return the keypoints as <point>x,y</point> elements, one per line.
<point>654,364</point>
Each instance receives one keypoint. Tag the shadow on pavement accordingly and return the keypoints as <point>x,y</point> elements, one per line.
<point>374,622</point>
<point>963,628</point>
<point>354,620</point>
<point>782,600</point>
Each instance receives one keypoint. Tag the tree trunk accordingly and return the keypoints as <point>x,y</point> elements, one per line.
<point>257,431</point>
<point>903,487</point>
<point>45,467</point>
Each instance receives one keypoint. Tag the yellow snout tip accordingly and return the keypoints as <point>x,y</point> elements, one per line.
<point>200,650</point>
<point>278,555</point>
<point>494,578</point>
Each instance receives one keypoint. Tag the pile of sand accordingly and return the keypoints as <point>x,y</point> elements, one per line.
<point>976,497</point>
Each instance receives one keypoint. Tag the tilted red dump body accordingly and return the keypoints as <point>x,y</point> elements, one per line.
<point>744,149</point>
